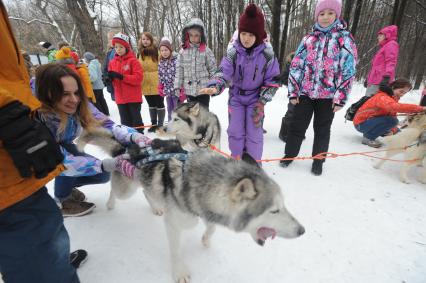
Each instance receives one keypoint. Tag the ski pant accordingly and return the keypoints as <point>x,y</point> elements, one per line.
<point>286,121</point>
<point>376,127</point>
<point>203,99</point>
<point>100,101</point>
<point>172,102</point>
<point>64,184</point>
<point>34,244</point>
<point>323,114</point>
<point>243,135</point>
<point>130,115</point>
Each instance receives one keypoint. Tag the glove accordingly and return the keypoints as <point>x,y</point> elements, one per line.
<point>258,114</point>
<point>384,85</point>
<point>115,75</point>
<point>119,164</point>
<point>140,140</point>
<point>29,143</point>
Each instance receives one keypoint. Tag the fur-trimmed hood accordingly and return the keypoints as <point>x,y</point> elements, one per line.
<point>193,23</point>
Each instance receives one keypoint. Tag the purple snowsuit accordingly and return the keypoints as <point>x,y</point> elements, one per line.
<point>253,78</point>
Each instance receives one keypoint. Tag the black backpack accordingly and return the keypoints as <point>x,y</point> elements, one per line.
<point>350,113</point>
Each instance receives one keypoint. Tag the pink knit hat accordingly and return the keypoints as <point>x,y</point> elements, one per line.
<point>335,5</point>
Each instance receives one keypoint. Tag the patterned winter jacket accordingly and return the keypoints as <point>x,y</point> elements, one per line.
<point>196,62</point>
<point>324,64</point>
<point>381,104</point>
<point>82,165</point>
<point>166,75</point>
<point>248,73</point>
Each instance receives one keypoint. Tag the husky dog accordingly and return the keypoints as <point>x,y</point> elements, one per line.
<point>407,142</point>
<point>193,126</point>
<point>236,194</point>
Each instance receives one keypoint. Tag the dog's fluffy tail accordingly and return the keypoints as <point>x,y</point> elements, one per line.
<point>101,138</point>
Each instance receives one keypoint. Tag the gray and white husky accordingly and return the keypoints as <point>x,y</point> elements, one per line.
<point>194,126</point>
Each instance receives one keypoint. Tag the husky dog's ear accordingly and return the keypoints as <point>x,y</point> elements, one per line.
<point>195,110</point>
<point>243,190</point>
<point>248,159</point>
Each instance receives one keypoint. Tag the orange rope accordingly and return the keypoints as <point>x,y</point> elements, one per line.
<point>324,155</point>
<point>143,127</point>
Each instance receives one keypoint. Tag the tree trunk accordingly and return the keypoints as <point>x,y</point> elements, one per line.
<point>89,35</point>
<point>287,12</point>
<point>347,11</point>
<point>276,24</point>
<point>146,21</point>
<point>209,24</point>
<point>357,15</point>
<point>136,17</point>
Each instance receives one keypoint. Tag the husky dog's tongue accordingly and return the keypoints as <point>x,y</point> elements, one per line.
<point>264,233</point>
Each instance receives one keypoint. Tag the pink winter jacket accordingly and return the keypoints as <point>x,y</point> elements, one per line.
<point>384,62</point>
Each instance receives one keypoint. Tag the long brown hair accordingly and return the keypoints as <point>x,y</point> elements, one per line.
<point>150,51</point>
<point>49,90</point>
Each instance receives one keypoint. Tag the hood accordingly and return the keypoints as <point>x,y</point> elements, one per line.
<point>391,33</point>
<point>197,23</point>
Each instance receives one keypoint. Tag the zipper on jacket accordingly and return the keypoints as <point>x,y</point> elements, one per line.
<point>255,72</point>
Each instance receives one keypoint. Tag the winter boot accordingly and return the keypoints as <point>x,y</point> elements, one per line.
<point>317,167</point>
<point>77,258</point>
<point>77,195</point>
<point>161,112</point>
<point>153,115</point>
<point>285,163</point>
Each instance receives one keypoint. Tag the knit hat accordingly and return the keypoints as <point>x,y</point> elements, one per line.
<point>63,53</point>
<point>253,21</point>
<point>46,45</point>
<point>122,39</point>
<point>166,43</point>
<point>89,56</point>
<point>335,5</point>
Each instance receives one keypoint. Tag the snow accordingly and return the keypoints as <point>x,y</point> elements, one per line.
<point>362,224</point>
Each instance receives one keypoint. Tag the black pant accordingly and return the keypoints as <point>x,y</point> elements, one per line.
<point>423,101</point>
<point>323,114</point>
<point>130,114</point>
<point>155,101</point>
<point>100,101</point>
<point>203,99</point>
<point>286,121</point>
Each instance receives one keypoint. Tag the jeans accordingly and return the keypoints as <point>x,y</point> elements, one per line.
<point>65,184</point>
<point>375,127</point>
<point>34,244</point>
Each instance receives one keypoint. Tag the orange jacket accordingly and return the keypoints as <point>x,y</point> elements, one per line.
<point>381,104</point>
<point>14,85</point>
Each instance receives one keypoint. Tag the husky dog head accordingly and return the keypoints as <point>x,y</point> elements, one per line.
<point>192,122</point>
<point>417,121</point>
<point>244,198</point>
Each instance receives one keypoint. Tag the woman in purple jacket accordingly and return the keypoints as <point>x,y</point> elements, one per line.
<point>252,69</point>
<point>384,62</point>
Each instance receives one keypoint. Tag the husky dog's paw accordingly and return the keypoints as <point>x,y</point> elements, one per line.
<point>181,274</point>
<point>157,211</point>
<point>110,203</point>
<point>205,240</point>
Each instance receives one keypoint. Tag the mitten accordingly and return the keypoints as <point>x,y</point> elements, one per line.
<point>258,114</point>
<point>115,75</point>
<point>140,139</point>
<point>119,164</point>
<point>29,143</point>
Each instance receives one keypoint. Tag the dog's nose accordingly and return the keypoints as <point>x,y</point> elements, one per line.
<point>301,231</point>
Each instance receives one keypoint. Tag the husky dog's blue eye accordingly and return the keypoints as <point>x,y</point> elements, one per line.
<point>275,211</point>
<point>175,119</point>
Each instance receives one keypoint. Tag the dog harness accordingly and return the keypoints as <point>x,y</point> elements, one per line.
<point>152,155</point>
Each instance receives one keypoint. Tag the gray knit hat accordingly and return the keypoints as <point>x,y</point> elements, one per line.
<point>89,56</point>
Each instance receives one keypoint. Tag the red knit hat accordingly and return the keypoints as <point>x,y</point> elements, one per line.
<point>253,21</point>
<point>122,39</point>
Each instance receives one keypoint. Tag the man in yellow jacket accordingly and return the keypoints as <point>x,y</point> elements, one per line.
<point>34,245</point>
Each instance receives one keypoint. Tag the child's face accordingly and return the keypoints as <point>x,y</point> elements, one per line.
<point>165,52</point>
<point>247,39</point>
<point>400,92</point>
<point>326,17</point>
<point>381,37</point>
<point>146,41</point>
<point>70,98</point>
<point>120,49</point>
<point>194,36</point>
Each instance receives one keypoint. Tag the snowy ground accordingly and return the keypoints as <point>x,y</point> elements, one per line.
<point>362,224</point>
